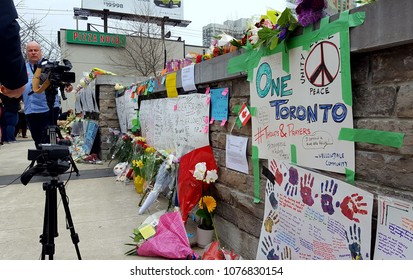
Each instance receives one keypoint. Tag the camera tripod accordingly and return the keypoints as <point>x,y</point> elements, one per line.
<point>50,219</point>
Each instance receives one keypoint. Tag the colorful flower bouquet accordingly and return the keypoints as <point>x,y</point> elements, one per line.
<point>271,30</point>
<point>145,163</point>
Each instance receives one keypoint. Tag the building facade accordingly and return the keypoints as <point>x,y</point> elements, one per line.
<point>234,28</point>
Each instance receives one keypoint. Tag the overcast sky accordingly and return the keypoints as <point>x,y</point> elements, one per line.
<point>56,14</point>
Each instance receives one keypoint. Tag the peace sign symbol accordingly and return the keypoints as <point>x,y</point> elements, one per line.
<point>322,64</point>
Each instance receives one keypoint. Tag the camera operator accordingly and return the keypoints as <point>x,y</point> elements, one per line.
<point>12,71</point>
<point>38,114</point>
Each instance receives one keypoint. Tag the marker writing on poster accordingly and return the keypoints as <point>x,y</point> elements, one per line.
<point>310,114</point>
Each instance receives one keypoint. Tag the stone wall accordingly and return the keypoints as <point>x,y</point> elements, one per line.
<point>382,81</point>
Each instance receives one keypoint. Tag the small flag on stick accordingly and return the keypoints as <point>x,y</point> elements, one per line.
<point>243,116</point>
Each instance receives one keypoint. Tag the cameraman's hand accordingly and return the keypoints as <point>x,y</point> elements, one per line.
<point>14,93</point>
<point>68,88</point>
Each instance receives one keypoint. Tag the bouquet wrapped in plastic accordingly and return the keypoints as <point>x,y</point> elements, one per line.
<point>170,240</point>
<point>165,178</point>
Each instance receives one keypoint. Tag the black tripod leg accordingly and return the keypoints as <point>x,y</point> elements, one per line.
<point>49,222</point>
<point>69,225</point>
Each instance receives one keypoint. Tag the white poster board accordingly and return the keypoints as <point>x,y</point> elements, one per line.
<point>312,216</point>
<point>176,124</point>
<point>299,114</point>
<point>394,239</point>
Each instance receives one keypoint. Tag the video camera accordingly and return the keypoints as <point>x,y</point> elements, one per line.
<point>58,74</point>
<point>52,75</point>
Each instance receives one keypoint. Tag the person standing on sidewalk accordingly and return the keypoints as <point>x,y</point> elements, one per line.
<point>36,109</point>
<point>21,125</point>
<point>10,118</point>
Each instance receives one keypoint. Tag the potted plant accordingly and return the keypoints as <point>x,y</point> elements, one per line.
<point>206,228</point>
<point>207,205</point>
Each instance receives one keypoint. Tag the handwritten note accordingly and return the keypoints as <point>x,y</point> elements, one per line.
<point>176,124</point>
<point>394,240</point>
<point>188,78</point>
<point>236,153</point>
<point>219,104</point>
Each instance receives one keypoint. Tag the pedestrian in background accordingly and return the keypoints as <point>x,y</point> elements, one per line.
<point>10,118</point>
<point>21,126</point>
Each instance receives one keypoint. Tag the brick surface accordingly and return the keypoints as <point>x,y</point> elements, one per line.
<point>404,102</point>
<point>374,102</point>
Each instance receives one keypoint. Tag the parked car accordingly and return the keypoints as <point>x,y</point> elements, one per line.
<point>167,3</point>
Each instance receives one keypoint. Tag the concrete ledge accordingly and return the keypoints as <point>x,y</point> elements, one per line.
<point>113,79</point>
<point>387,24</point>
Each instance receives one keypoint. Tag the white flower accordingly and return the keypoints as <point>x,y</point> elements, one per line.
<point>254,35</point>
<point>200,169</point>
<point>211,176</point>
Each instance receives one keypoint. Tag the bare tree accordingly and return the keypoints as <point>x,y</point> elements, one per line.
<point>145,46</point>
<point>30,31</point>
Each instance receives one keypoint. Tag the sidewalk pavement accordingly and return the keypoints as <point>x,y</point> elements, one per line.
<point>104,212</point>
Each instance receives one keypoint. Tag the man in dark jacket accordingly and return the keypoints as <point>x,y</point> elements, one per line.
<point>13,75</point>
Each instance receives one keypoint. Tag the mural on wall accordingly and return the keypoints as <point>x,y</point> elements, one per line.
<point>394,239</point>
<point>177,124</point>
<point>312,216</point>
<point>300,112</point>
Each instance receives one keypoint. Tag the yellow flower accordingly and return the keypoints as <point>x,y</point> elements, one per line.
<point>139,164</point>
<point>209,202</point>
<point>150,150</point>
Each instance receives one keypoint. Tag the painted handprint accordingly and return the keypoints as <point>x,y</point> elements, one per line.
<point>328,190</point>
<point>306,187</point>
<point>354,242</point>
<point>268,249</point>
<point>292,185</point>
<point>278,176</point>
<point>286,254</point>
<point>271,220</point>
<point>351,205</point>
<point>271,195</point>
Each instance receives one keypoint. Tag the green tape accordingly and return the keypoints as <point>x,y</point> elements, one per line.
<point>356,19</point>
<point>286,60</point>
<point>346,88</point>
<point>238,123</point>
<point>350,175</point>
<point>237,64</point>
<point>253,110</point>
<point>385,138</point>
<point>256,170</point>
<point>236,109</point>
<point>293,151</point>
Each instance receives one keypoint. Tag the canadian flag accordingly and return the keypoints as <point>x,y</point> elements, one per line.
<point>244,114</point>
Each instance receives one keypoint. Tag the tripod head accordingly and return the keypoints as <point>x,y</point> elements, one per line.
<point>53,159</point>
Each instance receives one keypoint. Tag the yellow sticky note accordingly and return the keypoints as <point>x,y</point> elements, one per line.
<point>147,231</point>
<point>171,85</point>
